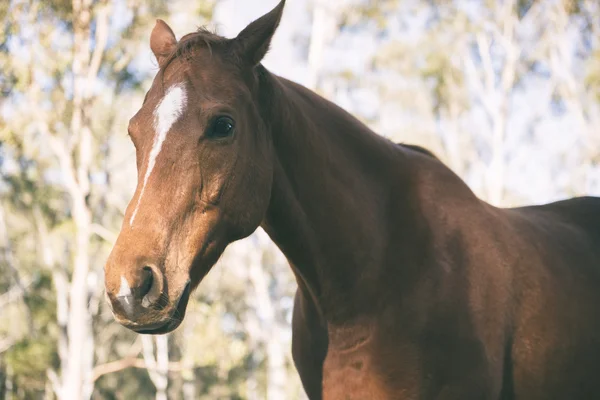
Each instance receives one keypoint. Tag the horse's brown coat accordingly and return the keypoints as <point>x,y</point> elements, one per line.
<point>409,286</point>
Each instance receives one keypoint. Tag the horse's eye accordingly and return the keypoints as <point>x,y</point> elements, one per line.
<point>222,127</point>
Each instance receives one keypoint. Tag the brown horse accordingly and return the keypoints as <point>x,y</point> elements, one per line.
<point>409,286</point>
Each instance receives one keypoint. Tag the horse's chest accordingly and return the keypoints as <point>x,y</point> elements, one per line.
<point>356,368</point>
<point>352,375</point>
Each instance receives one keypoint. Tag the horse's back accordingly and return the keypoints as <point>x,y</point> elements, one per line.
<point>567,234</point>
<point>556,336</point>
<point>583,212</point>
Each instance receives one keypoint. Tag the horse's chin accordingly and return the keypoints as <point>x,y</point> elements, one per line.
<point>168,327</point>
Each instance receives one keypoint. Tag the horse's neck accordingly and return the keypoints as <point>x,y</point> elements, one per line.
<point>329,210</point>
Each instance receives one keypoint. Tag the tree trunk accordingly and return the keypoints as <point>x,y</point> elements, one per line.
<point>79,322</point>
<point>76,340</point>
<point>158,367</point>
<point>323,28</point>
<point>494,89</point>
<point>187,369</point>
<point>269,331</point>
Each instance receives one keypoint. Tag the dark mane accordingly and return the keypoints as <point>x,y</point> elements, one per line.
<point>188,43</point>
<point>419,149</point>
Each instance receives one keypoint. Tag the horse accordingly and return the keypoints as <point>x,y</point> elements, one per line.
<point>409,285</point>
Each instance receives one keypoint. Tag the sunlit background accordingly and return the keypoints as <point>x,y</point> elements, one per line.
<point>506,93</point>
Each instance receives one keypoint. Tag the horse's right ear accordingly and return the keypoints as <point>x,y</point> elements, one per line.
<point>252,44</point>
<point>162,41</point>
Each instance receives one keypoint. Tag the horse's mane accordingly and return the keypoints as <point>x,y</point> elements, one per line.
<point>186,45</point>
<point>419,149</point>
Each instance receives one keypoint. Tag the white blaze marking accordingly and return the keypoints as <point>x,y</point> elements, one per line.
<point>167,112</point>
<point>124,289</point>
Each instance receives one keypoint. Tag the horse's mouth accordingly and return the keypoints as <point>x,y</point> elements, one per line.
<point>174,319</point>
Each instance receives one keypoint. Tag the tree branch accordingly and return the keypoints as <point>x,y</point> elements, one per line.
<point>55,382</point>
<point>104,233</point>
<point>129,362</point>
<point>6,344</point>
<point>14,293</point>
<point>100,41</point>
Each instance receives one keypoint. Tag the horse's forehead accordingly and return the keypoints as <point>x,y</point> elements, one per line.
<point>170,107</point>
<point>162,103</point>
<point>184,83</point>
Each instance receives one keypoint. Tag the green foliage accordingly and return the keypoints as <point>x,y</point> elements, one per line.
<point>370,12</point>
<point>592,76</point>
<point>40,301</point>
<point>29,360</point>
<point>205,9</point>
<point>62,9</point>
<point>131,383</point>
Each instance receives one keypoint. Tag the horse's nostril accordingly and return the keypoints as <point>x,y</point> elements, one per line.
<point>146,292</point>
<point>147,281</point>
<point>152,286</point>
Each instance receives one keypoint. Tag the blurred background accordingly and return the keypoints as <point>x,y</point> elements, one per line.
<point>506,93</point>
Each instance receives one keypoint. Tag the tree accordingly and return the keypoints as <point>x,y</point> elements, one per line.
<point>449,76</point>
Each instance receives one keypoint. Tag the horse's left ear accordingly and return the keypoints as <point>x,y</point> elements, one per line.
<point>253,42</point>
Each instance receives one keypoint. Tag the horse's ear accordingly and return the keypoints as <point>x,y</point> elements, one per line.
<point>162,40</point>
<point>253,42</point>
